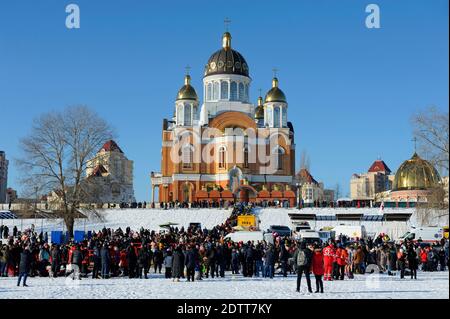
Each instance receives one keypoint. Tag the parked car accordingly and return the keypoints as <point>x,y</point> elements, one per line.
<point>282,231</point>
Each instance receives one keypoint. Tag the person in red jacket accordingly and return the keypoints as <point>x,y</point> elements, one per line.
<point>318,268</point>
<point>329,253</point>
<point>424,258</point>
<point>341,260</point>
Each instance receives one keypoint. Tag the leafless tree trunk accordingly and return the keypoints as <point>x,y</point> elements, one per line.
<point>304,161</point>
<point>57,151</point>
<point>431,128</point>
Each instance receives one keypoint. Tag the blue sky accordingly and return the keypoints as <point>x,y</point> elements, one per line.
<point>351,90</point>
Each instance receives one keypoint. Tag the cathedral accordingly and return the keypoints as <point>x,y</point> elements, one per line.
<point>222,147</point>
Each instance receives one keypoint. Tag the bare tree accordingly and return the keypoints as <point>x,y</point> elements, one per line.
<point>431,128</point>
<point>304,160</point>
<point>57,152</point>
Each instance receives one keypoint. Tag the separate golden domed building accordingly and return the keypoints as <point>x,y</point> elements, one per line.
<point>226,147</point>
<point>414,181</point>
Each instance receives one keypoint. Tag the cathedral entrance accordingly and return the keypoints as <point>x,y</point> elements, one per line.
<point>186,193</point>
<point>234,176</point>
<point>245,193</point>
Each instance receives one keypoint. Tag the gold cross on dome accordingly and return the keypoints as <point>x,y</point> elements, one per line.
<point>275,71</point>
<point>188,68</point>
<point>227,23</point>
<point>415,144</point>
<point>260,92</point>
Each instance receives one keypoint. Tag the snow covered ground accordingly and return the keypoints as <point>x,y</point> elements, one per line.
<point>428,286</point>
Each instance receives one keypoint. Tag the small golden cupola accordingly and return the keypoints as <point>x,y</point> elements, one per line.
<point>275,94</point>
<point>259,111</point>
<point>416,174</point>
<point>187,92</point>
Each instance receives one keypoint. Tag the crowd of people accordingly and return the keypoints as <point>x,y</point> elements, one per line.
<point>194,254</point>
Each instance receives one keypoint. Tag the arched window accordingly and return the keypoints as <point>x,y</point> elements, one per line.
<point>224,90</point>
<point>276,116</point>
<point>180,114</point>
<point>241,92</point>
<point>187,115</point>
<point>188,156</point>
<point>284,116</point>
<point>246,157</point>
<point>246,97</point>
<point>209,92</point>
<point>222,157</point>
<point>233,91</point>
<point>269,119</point>
<point>216,90</point>
<point>280,153</point>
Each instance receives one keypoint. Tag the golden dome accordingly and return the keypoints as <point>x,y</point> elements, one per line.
<point>275,94</point>
<point>187,92</point>
<point>415,174</point>
<point>259,112</point>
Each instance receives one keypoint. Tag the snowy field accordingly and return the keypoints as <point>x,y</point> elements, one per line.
<point>428,286</point>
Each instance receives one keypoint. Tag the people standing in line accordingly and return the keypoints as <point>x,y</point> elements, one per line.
<point>177,264</point>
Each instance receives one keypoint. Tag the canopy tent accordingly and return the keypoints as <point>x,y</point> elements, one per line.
<point>6,214</point>
<point>168,225</point>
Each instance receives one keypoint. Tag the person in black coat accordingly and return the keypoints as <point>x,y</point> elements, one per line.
<point>105,258</point>
<point>177,264</point>
<point>191,261</point>
<point>303,259</point>
<point>413,263</point>
<point>24,266</point>
<point>269,262</point>
<point>97,259</point>
<point>211,261</point>
<point>249,258</point>
<point>158,258</point>
<point>56,260</point>
<point>143,260</point>
<point>76,261</point>
<point>132,261</point>
<point>234,262</point>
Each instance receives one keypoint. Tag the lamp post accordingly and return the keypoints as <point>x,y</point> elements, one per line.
<point>298,194</point>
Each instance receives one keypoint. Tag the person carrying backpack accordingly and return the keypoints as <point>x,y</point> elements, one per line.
<point>303,260</point>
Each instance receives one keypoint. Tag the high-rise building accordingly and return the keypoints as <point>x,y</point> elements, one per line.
<point>378,179</point>
<point>3,176</point>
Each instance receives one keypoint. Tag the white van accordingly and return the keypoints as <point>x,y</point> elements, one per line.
<point>245,236</point>
<point>308,236</point>
<point>427,234</point>
<point>352,232</point>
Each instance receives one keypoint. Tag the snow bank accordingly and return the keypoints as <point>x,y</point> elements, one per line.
<point>135,218</point>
